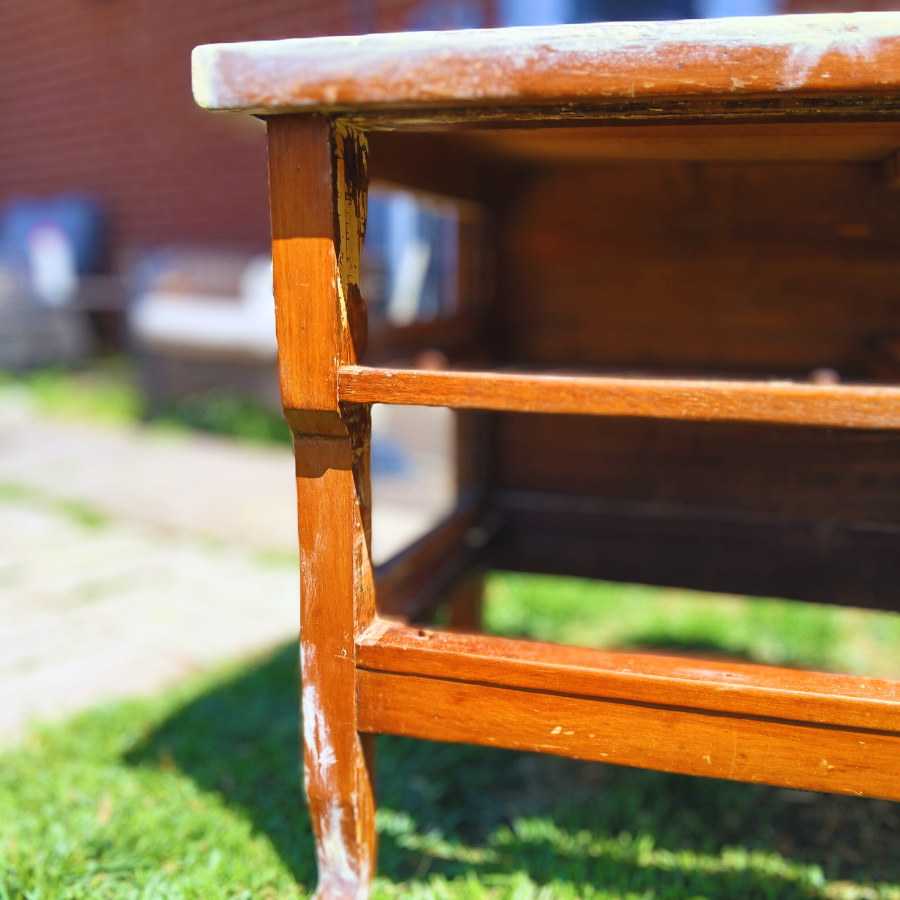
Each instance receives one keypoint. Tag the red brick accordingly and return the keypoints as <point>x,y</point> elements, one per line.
<point>97,96</point>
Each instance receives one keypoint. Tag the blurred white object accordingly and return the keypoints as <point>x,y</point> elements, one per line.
<point>222,326</point>
<point>410,267</point>
<point>409,282</point>
<point>52,267</point>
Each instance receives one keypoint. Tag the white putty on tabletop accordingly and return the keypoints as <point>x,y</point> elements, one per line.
<point>486,64</point>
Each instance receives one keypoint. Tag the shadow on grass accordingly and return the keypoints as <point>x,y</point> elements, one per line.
<point>452,809</point>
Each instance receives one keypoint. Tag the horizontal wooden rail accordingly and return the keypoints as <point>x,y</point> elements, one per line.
<point>738,721</point>
<point>837,406</point>
<point>412,581</point>
<point>743,688</point>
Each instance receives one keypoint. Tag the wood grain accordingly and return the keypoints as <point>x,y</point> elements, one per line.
<point>725,269</point>
<point>753,472</point>
<point>405,584</point>
<point>840,406</point>
<point>865,141</point>
<point>312,311</point>
<point>560,68</point>
<point>648,735</point>
<point>317,182</point>
<point>705,550</point>
<point>741,688</point>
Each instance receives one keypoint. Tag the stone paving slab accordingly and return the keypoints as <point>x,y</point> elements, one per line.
<point>181,482</point>
<point>90,613</point>
<point>130,559</point>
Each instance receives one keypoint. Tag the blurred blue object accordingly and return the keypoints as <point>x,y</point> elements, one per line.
<point>557,12</point>
<point>438,15</point>
<point>388,456</point>
<point>78,216</point>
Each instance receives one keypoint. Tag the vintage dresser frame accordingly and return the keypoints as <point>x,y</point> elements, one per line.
<point>820,89</point>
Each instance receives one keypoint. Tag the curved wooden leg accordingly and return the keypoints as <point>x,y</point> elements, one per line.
<point>317,179</point>
<point>336,594</point>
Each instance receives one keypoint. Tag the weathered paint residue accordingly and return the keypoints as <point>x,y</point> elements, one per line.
<point>514,64</point>
<point>316,733</point>
<point>337,877</point>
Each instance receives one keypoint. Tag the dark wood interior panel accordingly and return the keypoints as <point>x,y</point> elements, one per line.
<point>794,472</point>
<point>797,560</point>
<point>834,141</point>
<point>705,267</point>
<point>426,162</point>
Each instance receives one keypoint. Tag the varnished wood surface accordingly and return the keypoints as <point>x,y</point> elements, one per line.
<point>867,141</point>
<point>559,68</point>
<point>314,324</point>
<point>406,584</point>
<point>760,474</point>
<point>647,735</point>
<point>739,688</point>
<point>459,338</point>
<point>697,267</point>
<point>841,406</point>
<point>317,182</point>
<point>700,549</point>
<point>714,267</point>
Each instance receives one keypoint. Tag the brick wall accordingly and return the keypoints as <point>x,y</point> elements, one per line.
<point>96,95</point>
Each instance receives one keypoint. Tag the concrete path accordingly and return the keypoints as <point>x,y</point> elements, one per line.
<point>130,558</point>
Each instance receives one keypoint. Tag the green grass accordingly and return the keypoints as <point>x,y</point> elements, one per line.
<point>76,511</point>
<point>107,391</point>
<point>197,793</point>
<point>775,632</point>
<point>225,413</point>
<point>104,393</point>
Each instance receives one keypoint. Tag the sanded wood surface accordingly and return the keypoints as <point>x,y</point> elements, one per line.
<point>841,406</point>
<point>738,688</point>
<point>648,735</point>
<point>560,67</point>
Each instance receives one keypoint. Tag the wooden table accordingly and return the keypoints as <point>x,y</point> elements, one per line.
<point>686,220</point>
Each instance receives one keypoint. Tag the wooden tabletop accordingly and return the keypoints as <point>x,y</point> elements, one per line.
<point>847,64</point>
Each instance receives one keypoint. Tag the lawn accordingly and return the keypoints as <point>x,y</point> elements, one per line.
<point>107,391</point>
<point>197,793</point>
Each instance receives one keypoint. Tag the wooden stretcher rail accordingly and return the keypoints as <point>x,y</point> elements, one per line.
<point>737,721</point>
<point>741,688</point>
<point>836,406</point>
<point>692,742</point>
<point>409,584</point>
